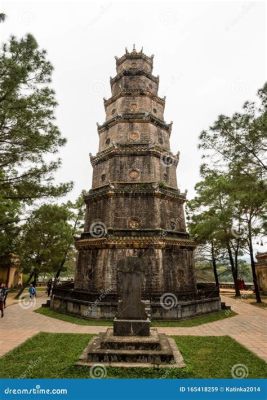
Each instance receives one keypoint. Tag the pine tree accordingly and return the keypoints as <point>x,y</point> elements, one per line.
<point>28,133</point>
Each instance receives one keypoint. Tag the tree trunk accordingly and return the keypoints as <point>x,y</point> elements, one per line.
<point>214,265</point>
<point>35,278</point>
<point>67,250</point>
<point>234,271</point>
<point>252,263</point>
<point>61,265</point>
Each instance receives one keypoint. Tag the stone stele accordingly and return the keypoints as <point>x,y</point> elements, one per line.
<point>131,319</point>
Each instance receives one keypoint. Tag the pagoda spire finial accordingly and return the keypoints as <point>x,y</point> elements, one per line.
<point>134,50</point>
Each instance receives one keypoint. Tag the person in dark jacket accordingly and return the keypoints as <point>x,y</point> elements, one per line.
<point>2,299</point>
<point>49,287</point>
<point>5,292</point>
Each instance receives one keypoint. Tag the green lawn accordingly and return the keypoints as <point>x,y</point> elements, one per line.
<point>52,355</point>
<point>69,318</point>
<point>202,319</point>
<point>199,320</point>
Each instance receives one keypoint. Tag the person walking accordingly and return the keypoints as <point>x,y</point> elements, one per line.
<point>2,300</point>
<point>49,287</point>
<point>32,291</point>
<point>5,292</point>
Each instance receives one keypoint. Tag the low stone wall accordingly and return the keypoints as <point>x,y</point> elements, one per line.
<point>107,310</point>
<point>186,309</point>
<point>84,309</point>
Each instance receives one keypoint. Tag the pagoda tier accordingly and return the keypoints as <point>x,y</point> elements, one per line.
<point>134,59</point>
<point>135,128</point>
<point>133,205</point>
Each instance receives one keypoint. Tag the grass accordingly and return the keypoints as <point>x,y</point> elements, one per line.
<point>69,318</point>
<point>52,355</point>
<point>199,320</point>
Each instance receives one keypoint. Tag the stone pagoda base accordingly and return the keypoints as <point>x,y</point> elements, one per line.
<point>86,305</point>
<point>155,350</point>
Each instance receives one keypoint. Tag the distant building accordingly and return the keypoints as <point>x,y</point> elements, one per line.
<point>261,270</point>
<point>10,274</point>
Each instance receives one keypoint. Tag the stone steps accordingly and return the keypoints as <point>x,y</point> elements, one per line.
<point>154,350</point>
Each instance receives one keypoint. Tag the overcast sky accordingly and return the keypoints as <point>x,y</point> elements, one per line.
<point>209,56</point>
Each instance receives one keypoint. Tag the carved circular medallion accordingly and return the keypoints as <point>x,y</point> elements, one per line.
<point>134,174</point>
<point>134,223</point>
<point>173,224</point>
<point>135,135</point>
<point>133,107</point>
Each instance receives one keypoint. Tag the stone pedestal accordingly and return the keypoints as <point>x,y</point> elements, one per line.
<point>124,327</point>
<point>156,350</point>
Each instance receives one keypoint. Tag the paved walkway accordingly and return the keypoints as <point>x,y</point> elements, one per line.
<point>249,327</point>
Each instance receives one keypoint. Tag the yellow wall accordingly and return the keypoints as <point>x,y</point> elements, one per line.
<point>15,277</point>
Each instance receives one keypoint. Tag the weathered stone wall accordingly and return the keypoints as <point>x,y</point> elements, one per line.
<point>171,214</point>
<point>134,82</point>
<point>178,270</point>
<point>125,168</point>
<point>134,132</point>
<point>139,212</point>
<point>165,270</point>
<point>132,104</point>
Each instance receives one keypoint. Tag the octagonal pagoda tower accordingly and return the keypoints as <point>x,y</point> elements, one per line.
<point>134,207</point>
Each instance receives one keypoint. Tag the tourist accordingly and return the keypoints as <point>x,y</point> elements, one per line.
<point>32,291</point>
<point>2,299</point>
<point>49,287</point>
<point>5,292</point>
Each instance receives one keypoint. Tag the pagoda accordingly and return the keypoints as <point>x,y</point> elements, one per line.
<point>135,209</point>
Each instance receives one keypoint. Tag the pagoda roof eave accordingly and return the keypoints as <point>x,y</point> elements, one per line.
<point>134,72</point>
<point>135,117</point>
<point>132,149</point>
<point>133,56</point>
<point>134,92</point>
<point>135,188</point>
